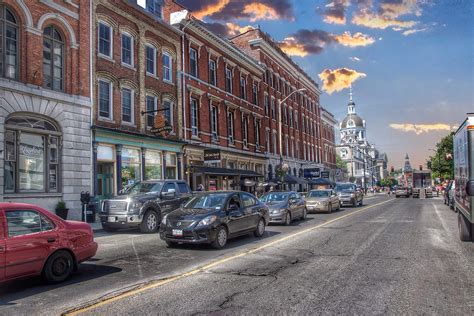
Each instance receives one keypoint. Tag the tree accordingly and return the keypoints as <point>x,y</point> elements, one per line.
<point>442,163</point>
<point>340,164</point>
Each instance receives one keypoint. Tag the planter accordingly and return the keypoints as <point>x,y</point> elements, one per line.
<point>62,213</point>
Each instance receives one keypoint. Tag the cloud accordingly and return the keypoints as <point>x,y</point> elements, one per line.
<point>228,29</point>
<point>354,58</point>
<point>335,12</point>
<point>358,39</point>
<point>374,21</point>
<point>396,8</point>
<point>413,31</point>
<point>305,42</point>
<point>419,129</point>
<point>253,10</point>
<point>338,79</point>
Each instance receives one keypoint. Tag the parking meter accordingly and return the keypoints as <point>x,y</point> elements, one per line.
<point>85,199</point>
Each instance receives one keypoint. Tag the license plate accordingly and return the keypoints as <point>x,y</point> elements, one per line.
<point>111,219</point>
<point>177,232</point>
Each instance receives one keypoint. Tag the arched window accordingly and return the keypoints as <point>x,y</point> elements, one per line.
<point>53,59</point>
<point>8,43</point>
<point>32,147</point>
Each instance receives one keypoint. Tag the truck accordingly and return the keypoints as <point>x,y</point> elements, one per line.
<point>422,181</point>
<point>463,152</point>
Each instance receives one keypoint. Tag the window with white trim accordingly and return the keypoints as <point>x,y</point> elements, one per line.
<point>194,117</point>
<point>105,39</point>
<point>127,105</point>
<point>245,131</point>
<point>273,109</point>
<point>9,35</point>
<point>127,49</point>
<point>214,119</point>
<point>230,127</point>
<point>274,142</point>
<point>212,72</point>
<point>257,133</point>
<point>255,93</point>
<point>243,88</point>
<point>155,7</point>
<point>105,99</point>
<point>167,67</point>
<point>228,80</point>
<point>150,53</point>
<point>265,104</point>
<point>193,64</point>
<point>267,140</point>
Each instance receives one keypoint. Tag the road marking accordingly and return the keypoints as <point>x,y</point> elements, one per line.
<point>156,284</point>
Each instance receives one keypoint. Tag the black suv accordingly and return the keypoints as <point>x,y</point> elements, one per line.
<point>143,204</point>
<point>349,194</point>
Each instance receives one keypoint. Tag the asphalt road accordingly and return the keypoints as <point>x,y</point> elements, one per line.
<point>391,256</point>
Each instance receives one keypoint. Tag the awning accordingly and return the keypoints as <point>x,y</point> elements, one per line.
<point>225,172</point>
<point>291,180</point>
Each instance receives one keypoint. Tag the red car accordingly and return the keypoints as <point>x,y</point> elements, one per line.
<point>35,242</point>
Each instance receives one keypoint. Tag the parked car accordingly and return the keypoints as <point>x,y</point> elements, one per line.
<point>213,218</point>
<point>323,200</point>
<point>402,191</point>
<point>285,206</point>
<point>349,194</point>
<point>143,205</point>
<point>35,242</point>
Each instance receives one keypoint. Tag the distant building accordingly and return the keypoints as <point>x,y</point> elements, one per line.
<point>328,137</point>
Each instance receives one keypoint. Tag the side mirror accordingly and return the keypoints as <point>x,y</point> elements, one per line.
<point>470,188</point>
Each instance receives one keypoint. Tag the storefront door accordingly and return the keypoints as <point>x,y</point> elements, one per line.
<point>105,180</point>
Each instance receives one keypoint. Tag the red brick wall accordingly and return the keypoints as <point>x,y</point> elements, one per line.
<point>76,61</point>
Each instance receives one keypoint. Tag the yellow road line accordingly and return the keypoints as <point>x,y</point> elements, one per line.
<point>157,284</point>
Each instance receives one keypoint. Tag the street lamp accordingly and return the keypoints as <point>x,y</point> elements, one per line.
<point>280,102</point>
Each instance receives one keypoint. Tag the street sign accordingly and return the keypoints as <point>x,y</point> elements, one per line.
<point>325,174</point>
<point>212,155</point>
<point>312,173</point>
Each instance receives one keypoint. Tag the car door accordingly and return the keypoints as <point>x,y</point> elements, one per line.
<point>2,245</point>
<point>295,209</point>
<point>31,238</point>
<point>236,219</point>
<point>184,193</point>
<point>169,202</point>
<point>250,210</point>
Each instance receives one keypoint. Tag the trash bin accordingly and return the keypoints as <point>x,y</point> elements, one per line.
<point>91,210</point>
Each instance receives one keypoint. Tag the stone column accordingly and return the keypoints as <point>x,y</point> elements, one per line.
<point>118,157</point>
<point>164,164</point>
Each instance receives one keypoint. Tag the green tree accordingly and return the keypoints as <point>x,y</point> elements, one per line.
<point>340,164</point>
<point>442,163</point>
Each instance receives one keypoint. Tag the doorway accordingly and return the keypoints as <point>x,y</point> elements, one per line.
<point>105,180</point>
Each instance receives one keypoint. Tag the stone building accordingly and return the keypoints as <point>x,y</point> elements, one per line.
<point>223,110</point>
<point>137,62</point>
<point>45,102</point>
<point>294,135</point>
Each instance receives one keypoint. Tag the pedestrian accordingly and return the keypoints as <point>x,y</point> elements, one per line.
<point>200,187</point>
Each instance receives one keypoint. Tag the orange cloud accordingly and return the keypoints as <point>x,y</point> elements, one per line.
<point>374,21</point>
<point>419,129</point>
<point>334,12</point>
<point>293,48</point>
<point>358,39</point>
<point>394,9</point>
<point>260,11</point>
<point>338,79</point>
<point>211,9</point>
<point>235,29</point>
<point>334,19</point>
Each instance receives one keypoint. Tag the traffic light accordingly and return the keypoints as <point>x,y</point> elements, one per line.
<point>429,164</point>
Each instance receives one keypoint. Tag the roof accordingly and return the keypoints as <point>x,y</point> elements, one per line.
<point>358,121</point>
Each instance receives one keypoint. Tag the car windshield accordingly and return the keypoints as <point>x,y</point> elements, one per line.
<point>212,200</point>
<point>318,194</point>
<point>144,187</point>
<point>345,187</point>
<point>274,197</point>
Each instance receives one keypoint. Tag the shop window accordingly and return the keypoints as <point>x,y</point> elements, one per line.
<point>131,166</point>
<point>8,44</point>
<point>153,165</point>
<point>127,49</point>
<point>167,67</point>
<point>105,40</point>
<point>53,59</point>
<point>32,156</point>
<point>171,166</point>
<point>150,53</point>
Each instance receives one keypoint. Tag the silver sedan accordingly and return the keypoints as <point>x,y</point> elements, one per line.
<point>323,200</point>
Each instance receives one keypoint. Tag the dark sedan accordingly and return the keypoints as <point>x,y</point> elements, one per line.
<point>213,218</point>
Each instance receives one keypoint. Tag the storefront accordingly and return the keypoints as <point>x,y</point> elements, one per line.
<point>122,159</point>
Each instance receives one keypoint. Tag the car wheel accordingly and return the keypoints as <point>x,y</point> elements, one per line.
<point>171,244</point>
<point>330,208</point>
<point>58,267</point>
<point>464,228</point>
<point>150,222</point>
<point>305,214</point>
<point>221,238</point>
<point>108,229</point>
<point>260,230</point>
<point>288,219</point>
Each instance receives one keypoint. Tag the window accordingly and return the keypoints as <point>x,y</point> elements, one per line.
<point>193,68</point>
<point>255,94</point>
<point>31,155</point>
<point>183,187</point>
<point>285,114</point>
<point>171,165</point>
<point>167,67</point>
<point>257,134</point>
<point>286,146</point>
<point>131,166</point>
<point>214,119</point>
<point>168,105</point>
<point>8,44</point>
<point>155,7</point>
<point>153,165</point>
<point>248,200</point>
<point>243,90</point>
<point>271,79</point>
<point>291,118</point>
<point>150,60</point>
<point>127,49</point>
<point>266,105</point>
<point>105,40</point>
<point>228,80</point>
<point>245,131</point>
<point>26,222</point>
<point>296,119</point>
<point>230,127</point>
<point>105,99</point>
<point>212,72</point>
<point>273,109</point>
<point>150,106</point>
<point>127,106</point>
<point>194,117</point>
<point>53,59</point>
<point>274,142</point>
<point>267,140</point>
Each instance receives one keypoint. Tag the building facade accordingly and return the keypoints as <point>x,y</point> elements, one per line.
<point>137,61</point>
<point>223,112</point>
<point>45,103</point>
<point>291,111</point>
<point>328,137</point>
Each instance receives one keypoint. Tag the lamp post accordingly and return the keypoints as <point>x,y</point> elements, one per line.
<point>280,102</point>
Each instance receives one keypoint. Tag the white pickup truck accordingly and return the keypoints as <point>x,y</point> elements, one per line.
<point>463,144</point>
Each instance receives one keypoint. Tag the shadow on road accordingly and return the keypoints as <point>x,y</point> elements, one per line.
<point>20,289</point>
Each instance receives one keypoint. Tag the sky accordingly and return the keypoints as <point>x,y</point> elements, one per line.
<point>410,62</point>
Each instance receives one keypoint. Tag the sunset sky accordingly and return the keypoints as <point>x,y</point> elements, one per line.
<point>410,61</point>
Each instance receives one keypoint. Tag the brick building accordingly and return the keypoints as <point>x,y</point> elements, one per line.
<point>45,104</point>
<point>328,137</point>
<point>223,113</point>
<point>137,59</point>
<point>300,137</point>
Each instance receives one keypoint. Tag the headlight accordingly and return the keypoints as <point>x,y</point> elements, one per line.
<point>163,220</point>
<point>352,195</point>
<point>134,206</point>
<point>277,211</point>
<point>207,221</point>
